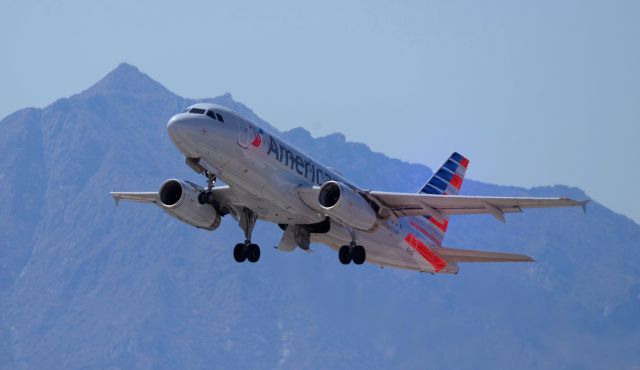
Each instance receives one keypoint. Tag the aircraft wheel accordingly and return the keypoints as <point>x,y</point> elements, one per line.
<point>253,253</point>
<point>202,198</point>
<point>358,254</point>
<point>343,255</point>
<point>239,253</point>
<point>210,198</point>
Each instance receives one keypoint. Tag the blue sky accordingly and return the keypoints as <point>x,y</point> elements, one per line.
<point>534,93</point>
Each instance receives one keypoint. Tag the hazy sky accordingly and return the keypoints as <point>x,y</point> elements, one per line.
<point>533,92</point>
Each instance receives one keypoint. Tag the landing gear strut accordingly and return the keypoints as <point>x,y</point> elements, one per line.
<point>206,197</point>
<point>247,250</point>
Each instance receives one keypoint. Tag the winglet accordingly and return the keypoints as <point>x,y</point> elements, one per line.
<point>116,199</point>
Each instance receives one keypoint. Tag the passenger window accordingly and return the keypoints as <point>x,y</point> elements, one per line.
<point>211,114</point>
<point>219,117</point>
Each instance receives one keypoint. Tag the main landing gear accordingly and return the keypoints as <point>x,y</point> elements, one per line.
<point>247,250</point>
<point>206,197</point>
<point>353,252</point>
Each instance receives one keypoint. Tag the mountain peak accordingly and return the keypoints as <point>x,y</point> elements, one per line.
<point>125,67</point>
<point>128,79</point>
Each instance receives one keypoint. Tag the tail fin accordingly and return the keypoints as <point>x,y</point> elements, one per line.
<point>448,179</point>
<point>427,232</point>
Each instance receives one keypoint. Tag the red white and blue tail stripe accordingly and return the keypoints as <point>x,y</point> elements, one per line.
<point>448,179</point>
<point>427,232</point>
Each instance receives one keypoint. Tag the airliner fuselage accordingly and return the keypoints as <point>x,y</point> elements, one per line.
<point>267,173</point>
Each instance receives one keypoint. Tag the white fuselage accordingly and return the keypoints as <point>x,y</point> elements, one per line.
<point>268,172</point>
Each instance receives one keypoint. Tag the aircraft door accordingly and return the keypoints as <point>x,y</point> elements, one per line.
<point>245,133</point>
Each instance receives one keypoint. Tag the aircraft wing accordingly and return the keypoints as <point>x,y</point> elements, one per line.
<point>406,204</point>
<point>144,197</point>
<point>223,194</point>
<point>465,255</point>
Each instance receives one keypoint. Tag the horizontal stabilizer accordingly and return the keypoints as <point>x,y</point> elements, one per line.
<point>465,255</point>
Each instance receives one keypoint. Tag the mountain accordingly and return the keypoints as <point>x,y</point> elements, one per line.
<point>85,285</point>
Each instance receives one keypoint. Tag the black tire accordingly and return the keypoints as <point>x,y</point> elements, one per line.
<point>358,254</point>
<point>343,255</point>
<point>210,198</point>
<point>239,253</point>
<point>253,253</point>
<point>202,198</point>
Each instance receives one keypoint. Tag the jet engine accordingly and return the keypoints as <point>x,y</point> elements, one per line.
<point>180,200</point>
<point>344,204</point>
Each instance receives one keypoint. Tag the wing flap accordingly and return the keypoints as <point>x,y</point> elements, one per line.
<point>465,255</point>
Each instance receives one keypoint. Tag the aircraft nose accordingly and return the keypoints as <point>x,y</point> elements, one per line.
<point>178,126</point>
<point>182,129</point>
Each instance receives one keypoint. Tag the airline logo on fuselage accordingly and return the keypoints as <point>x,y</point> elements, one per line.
<point>258,139</point>
<point>301,165</point>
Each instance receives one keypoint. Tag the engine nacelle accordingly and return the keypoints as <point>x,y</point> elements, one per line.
<point>342,203</point>
<point>180,200</point>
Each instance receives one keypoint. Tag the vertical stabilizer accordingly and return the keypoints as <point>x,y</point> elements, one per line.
<point>448,179</point>
<point>427,232</point>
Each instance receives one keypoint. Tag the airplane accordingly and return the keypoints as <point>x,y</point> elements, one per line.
<point>268,179</point>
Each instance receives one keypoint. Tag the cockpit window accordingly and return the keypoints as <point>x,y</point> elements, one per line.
<point>211,114</point>
<point>219,117</point>
<point>197,110</point>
